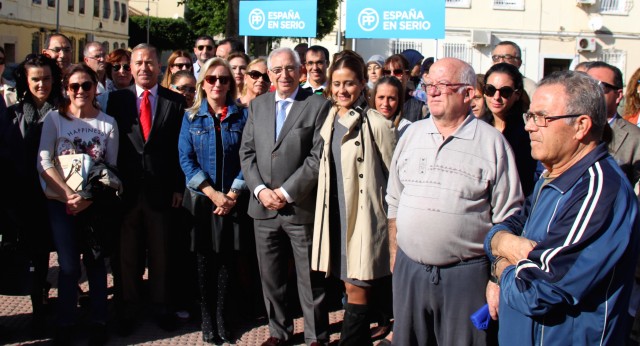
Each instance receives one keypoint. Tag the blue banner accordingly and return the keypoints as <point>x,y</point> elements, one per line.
<point>278,18</point>
<point>395,19</point>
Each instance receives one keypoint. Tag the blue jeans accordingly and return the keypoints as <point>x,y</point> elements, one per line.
<point>65,239</point>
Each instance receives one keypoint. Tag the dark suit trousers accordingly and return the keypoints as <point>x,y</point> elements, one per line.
<point>143,229</point>
<point>273,236</point>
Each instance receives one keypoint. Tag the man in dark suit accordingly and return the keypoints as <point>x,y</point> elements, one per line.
<point>624,144</point>
<point>279,153</point>
<point>149,119</point>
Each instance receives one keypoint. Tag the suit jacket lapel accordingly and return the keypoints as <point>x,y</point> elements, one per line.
<point>136,131</point>
<point>294,113</point>
<point>619,135</point>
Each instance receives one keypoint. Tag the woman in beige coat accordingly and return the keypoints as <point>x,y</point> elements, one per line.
<point>350,239</point>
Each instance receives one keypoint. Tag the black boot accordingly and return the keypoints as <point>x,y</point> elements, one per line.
<point>355,326</point>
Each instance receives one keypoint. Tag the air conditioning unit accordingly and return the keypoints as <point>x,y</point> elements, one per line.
<point>585,44</point>
<point>585,2</point>
<point>480,37</point>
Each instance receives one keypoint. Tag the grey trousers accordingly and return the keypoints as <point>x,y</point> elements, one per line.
<point>432,305</point>
<point>273,236</point>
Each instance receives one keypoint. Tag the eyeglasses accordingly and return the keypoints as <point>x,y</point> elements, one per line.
<point>125,67</point>
<point>60,49</point>
<point>442,87</point>
<point>213,79</point>
<point>397,72</point>
<point>505,91</point>
<point>182,66</point>
<point>288,69</point>
<point>606,87</point>
<point>97,57</point>
<point>86,86</point>
<point>505,57</point>
<point>257,74</point>
<point>186,89</point>
<point>209,48</point>
<point>318,63</point>
<point>541,121</point>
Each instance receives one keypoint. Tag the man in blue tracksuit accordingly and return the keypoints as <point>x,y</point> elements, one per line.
<point>565,263</point>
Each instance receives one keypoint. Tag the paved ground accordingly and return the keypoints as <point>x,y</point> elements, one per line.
<point>15,318</point>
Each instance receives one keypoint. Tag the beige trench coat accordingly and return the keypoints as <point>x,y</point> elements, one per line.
<point>364,175</point>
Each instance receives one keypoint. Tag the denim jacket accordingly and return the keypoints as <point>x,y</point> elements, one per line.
<point>197,148</point>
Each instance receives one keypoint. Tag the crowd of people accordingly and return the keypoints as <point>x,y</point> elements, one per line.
<point>420,191</point>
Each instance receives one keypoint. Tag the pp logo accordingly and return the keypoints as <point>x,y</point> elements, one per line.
<point>368,19</point>
<point>256,19</point>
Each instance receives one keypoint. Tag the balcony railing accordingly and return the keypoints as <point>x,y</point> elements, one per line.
<point>615,6</point>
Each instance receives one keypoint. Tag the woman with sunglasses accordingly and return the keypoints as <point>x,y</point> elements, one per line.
<point>38,91</point>
<point>398,66</point>
<point>256,81</point>
<point>239,62</point>
<point>179,60</point>
<point>119,70</point>
<point>208,146</point>
<point>79,124</point>
<point>506,101</point>
<point>350,230</point>
<point>184,83</point>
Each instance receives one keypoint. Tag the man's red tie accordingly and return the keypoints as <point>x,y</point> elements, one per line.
<point>145,114</point>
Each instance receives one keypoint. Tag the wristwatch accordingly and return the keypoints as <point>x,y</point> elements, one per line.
<point>236,191</point>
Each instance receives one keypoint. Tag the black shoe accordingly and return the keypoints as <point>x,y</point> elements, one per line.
<point>97,335</point>
<point>63,337</point>
<point>168,322</point>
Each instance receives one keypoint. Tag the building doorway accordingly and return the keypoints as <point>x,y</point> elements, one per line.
<point>555,64</point>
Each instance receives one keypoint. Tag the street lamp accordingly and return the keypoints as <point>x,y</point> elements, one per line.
<point>148,19</point>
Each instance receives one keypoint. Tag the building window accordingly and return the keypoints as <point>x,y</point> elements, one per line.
<point>36,42</point>
<point>115,45</point>
<point>51,3</point>
<point>617,58</point>
<point>458,3</point>
<point>462,51</point>
<point>116,11</point>
<point>106,13</point>
<point>70,6</point>
<point>516,5</point>
<point>96,8</point>
<point>401,46</point>
<point>123,18</point>
<point>37,2</point>
<point>615,6</point>
<point>81,6</point>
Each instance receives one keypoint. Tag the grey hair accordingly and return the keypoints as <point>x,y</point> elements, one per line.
<point>467,75</point>
<point>150,48</point>
<point>281,50</point>
<point>89,45</point>
<point>584,95</point>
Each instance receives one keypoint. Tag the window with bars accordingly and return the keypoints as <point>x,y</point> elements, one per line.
<point>106,12</point>
<point>617,58</point>
<point>37,2</point>
<point>615,6</point>
<point>70,5</point>
<point>458,3</point>
<point>96,8</point>
<point>462,51</point>
<point>51,3</point>
<point>401,46</point>
<point>123,17</point>
<point>81,6</point>
<point>517,5</point>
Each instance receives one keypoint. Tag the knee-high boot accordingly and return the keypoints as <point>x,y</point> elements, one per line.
<point>355,326</point>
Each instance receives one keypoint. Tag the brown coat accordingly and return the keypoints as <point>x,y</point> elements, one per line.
<point>365,168</point>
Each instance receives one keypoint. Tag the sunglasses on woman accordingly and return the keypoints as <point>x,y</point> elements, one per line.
<point>86,86</point>
<point>397,72</point>
<point>224,80</point>
<point>257,74</point>
<point>125,67</point>
<point>505,91</point>
<point>184,88</point>
<point>182,66</point>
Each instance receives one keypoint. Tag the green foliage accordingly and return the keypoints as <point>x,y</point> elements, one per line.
<point>164,33</point>
<point>327,16</point>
